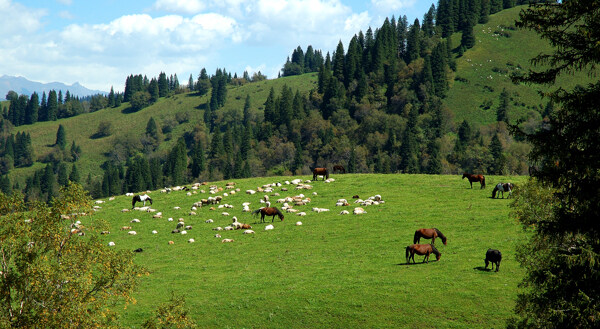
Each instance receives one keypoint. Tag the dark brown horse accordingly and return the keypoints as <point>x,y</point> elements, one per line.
<point>339,169</point>
<point>421,249</point>
<point>320,171</point>
<point>475,178</point>
<point>429,233</point>
<point>268,211</point>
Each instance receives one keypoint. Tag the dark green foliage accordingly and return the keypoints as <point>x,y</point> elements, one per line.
<point>503,107</point>
<point>139,100</point>
<point>562,259</point>
<point>175,167</point>
<point>74,175</point>
<point>61,137</point>
<point>163,85</point>
<point>498,157</point>
<point>468,38</point>
<point>413,43</point>
<point>62,174</point>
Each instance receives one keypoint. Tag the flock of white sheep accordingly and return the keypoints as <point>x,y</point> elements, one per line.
<point>214,202</point>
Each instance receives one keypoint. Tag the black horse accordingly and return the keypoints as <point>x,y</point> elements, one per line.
<point>494,256</point>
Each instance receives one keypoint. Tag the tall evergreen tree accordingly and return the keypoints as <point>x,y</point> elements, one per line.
<point>562,257</point>
<point>74,175</point>
<point>338,62</point>
<point>61,137</point>
<point>413,42</point>
<point>31,112</point>
<point>52,106</point>
<point>498,158</point>
<point>163,85</point>
<point>503,107</point>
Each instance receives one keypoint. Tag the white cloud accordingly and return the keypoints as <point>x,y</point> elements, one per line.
<point>179,6</point>
<point>16,19</point>
<point>65,14</point>
<point>392,5</point>
<point>356,22</point>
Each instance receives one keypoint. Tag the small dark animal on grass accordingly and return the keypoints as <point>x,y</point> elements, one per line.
<point>429,233</point>
<point>475,178</point>
<point>355,197</point>
<point>138,250</point>
<point>494,256</point>
<point>140,198</point>
<point>421,249</point>
<point>339,169</point>
<point>268,211</point>
<point>503,187</point>
<point>320,172</point>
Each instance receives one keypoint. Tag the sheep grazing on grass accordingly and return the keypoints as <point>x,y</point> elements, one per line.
<point>154,232</point>
<point>191,241</point>
<point>344,212</point>
<point>229,228</point>
<point>217,235</point>
<point>171,242</point>
<point>227,240</point>
<point>176,231</point>
<point>111,244</point>
<point>183,232</point>
<point>125,228</point>
<point>301,213</point>
<point>248,232</point>
<point>124,210</point>
<point>105,232</point>
<point>298,223</point>
<point>218,228</point>
<point>135,220</point>
<point>132,232</point>
<point>209,221</point>
<point>170,219</point>
<point>269,227</point>
<point>359,210</point>
<point>180,225</point>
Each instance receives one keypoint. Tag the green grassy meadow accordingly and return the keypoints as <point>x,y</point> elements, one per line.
<point>334,271</point>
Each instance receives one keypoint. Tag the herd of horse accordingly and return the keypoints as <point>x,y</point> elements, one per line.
<point>492,255</point>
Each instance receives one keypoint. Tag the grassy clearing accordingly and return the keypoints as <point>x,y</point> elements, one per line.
<point>339,271</point>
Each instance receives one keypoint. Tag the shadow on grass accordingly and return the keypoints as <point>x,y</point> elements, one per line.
<point>411,264</point>
<point>482,269</point>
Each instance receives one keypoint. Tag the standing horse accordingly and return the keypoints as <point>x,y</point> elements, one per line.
<point>140,198</point>
<point>503,187</point>
<point>268,211</point>
<point>475,178</point>
<point>429,233</point>
<point>494,256</point>
<point>421,249</point>
<point>320,171</point>
<point>339,169</point>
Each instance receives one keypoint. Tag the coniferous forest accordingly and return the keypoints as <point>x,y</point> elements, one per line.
<point>377,106</point>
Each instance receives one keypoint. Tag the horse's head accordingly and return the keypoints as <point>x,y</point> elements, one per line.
<point>438,256</point>
<point>465,175</point>
<point>281,216</point>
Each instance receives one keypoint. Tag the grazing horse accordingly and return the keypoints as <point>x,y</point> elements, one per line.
<point>429,233</point>
<point>494,256</point>
<point>140,198</point>
<point>421,249</point>
<point>339,169</point>
<point>475,178</point>
<point>503,187</point>
<point>320,171</point>
<point>268,211</point>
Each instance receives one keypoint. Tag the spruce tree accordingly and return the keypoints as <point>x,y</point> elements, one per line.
<point>74,175</point>
<point>61,137</point>
<point>338,62</point>
<point>498,157</point>
<point>163,85</point>
<point>562,257</point>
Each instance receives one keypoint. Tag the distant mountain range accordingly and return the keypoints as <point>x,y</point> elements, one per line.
<point>22,86</point>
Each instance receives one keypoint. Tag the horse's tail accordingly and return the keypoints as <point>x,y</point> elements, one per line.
<point>255,212</point>
<point>417,236</point>
<point>133,202</point>
<point>482,181</point>
<point>441,235</point>
<point>407,253</point>
<point>494,192</point>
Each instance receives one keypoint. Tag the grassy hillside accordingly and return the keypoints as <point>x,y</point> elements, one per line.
<point>334,271</point>
<point>484,71</point>
<point>127,125</point>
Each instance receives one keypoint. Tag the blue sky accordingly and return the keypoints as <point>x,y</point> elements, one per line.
<point>100,43</point>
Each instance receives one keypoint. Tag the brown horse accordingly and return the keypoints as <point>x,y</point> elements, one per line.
<point>421,249</point>
<point>268,211</point>
<point>339,169</point>
<point>320,171</point>
<point>429,233</point>
<point>475,178</point>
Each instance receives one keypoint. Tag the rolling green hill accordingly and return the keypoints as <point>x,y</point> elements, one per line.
<point>333,271</point>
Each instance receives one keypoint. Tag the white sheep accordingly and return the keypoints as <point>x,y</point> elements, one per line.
<point>301,213</point>
<point>111,244</point>
<point>298,223</point>
<point>269,227</point>
<point>154,232</point>
<point>191,241</point>
<point>344,212</point>
<point>135,220</point>
<point>209,221</point>
<point>248,232</point>
<point>132,232</point>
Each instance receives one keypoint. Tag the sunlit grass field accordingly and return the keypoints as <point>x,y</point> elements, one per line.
<point>334,271</point>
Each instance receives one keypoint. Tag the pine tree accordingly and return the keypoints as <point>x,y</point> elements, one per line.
<point>503,107</point>
<point>468,37</point>
<point>153,90</point>
<point>111,97</point>
<point>62,175</point>
<point>269,113</point>
<point>562,257</point>
<point>163,85</point>
<point>61,137</point>
<point>52,106</point>
<point>74,175</point>
<point>498,157</point>
<point>338,62</point>
<point>31,112</point>
<point>413,42</point>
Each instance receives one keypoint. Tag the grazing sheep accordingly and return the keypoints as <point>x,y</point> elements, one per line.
<point>105,232</point>
<point>132,232</point>
<point>301,213</point>
<point>250,192</point>
<point>191,241</point>
<point>171,242</point>
<point>188,227</point>
<point>218,228</point>
<point>154,232</point>
<point>183,232</point>
<point>124,228</point>
<point>209,221</point>
<point>248,232</point>
<point>181,220</point>
<point>99,201</point>
<point>344,212</point>
<point>217,235</point>
<point>298,223</point>
<point>227,240</point>
<point>111,244</point>
<point>359,210</point>
<point>135,220</point>
<point>124,210</point>
<point>157,216</point>
<point>111,198</point>
<point>228,228</point>
<point>170,219</point>
<point>192,213</point>
<point>180,225</point>
<point>225,213</point>
<point>269,227</point>
<point>176,231</point>
<point>177,208</point>
<point>244,226</point>
<point>246,209</point>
